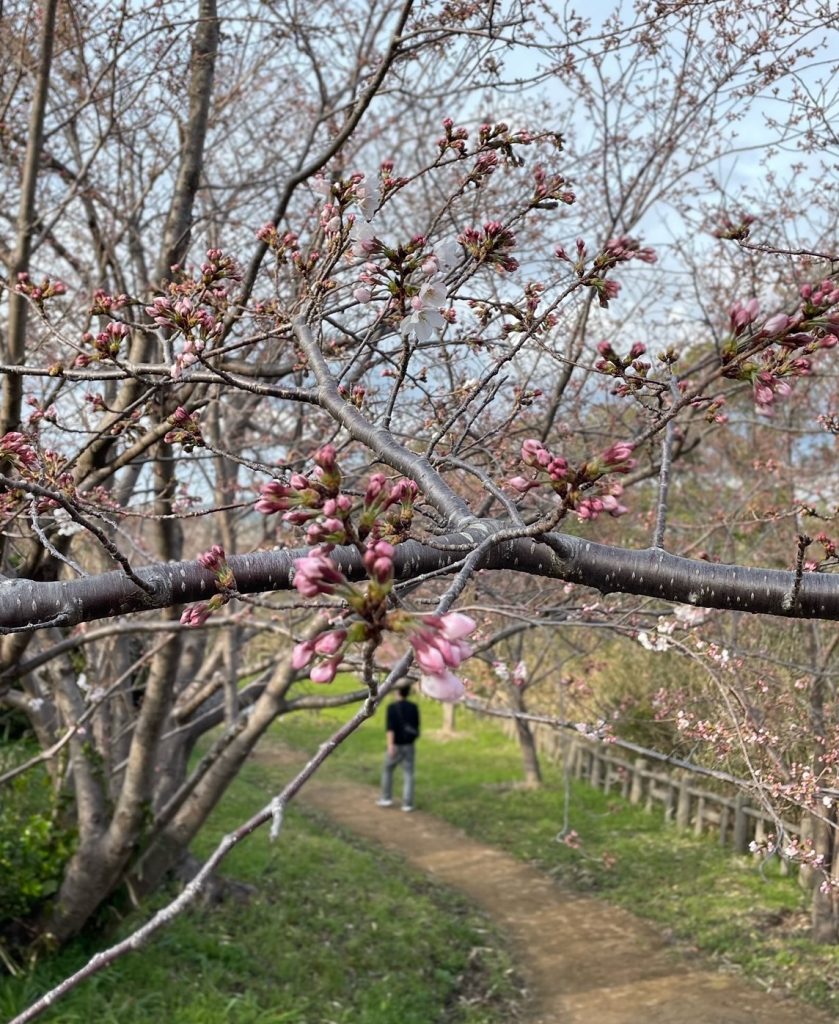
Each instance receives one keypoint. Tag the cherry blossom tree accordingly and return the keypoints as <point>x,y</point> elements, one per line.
<point>317,334</point>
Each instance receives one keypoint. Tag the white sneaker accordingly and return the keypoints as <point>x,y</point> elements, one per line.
<point>407,808</point>
<point>384,803</point>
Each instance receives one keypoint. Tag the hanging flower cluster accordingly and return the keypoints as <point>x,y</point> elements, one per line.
<point>437,640</point>
<point>570,483</point>
<point>375,524</point>
<point>621,249</point>
<point>215,561</point>
<point>792,340</point>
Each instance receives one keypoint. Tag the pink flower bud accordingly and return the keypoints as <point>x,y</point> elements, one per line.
<point>375,485</point>
<point>316,574</point>
<point>195,615</point>
<point>518,483</point>
<point>273,498</point>
<point>776,325</point>
<point>325,457</point>
<point>444,686</point>
<point>330,643</point>
<point>456,625</point>
<point>325,672</point>
<point>302,654</point>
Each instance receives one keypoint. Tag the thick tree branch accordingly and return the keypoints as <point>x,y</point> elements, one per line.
<point>30,604</point>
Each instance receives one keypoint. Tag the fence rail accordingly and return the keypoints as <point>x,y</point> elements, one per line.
<point>730,813</point>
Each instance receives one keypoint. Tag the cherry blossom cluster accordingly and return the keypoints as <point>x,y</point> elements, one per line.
<point>830,548</point>
<point>48,413</point>
<point>439,646</point>
<point>798,851</point>
<point>570,484</point>
<point>420,304</point>
<point>215,561</point>
<point>38,293</point>
<point>16,449</point>
<point>103,304</point>
<point>490,137</point>
<point>106,344</point>
<point>34,464</point>
<point>194,306</point>
<point>384,513</point>
<point>734,229</point>
<point>438,641</point>
<point>550,189</point>
<point>517,675</point>
<point>285,246</point>
<point>334,517</point>
<point>185,431</point>
<point>630,369</point>
<point>617,250</point>
<point>792,340</point>
<point>492,246</point>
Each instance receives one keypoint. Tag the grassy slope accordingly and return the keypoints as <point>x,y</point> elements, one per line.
<point>707,899</point>
<point>335,933</point>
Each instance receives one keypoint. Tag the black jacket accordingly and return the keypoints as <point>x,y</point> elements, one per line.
<point>403,720</point>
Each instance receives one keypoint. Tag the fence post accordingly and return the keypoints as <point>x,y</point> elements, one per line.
<point>725,817</point>
<point>600,770</point>
<point>683,804</point>
<point>699,820</point>
<point>636,790</point>
<point>741,824</point>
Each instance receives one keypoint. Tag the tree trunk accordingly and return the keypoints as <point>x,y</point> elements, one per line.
<point>449,725</point>
<point>527,742</point>
<point>825,906</point>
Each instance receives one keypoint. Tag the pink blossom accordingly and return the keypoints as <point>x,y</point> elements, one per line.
<point>742,314</point>
<point>438,643</point>
<point>534,453</point>
<point>618,452</point>
<point>326,671</point>
<point>365,242</point>
<point>195,615</point>
<point>375,486</point>
<point>518,483</point>
<point>456,625</point>
<point>15,447</point>
<point>776,325</point>
<point>378,561</point>
<point>302,654</point>
<point>326,457</point>
<point>317,574</point>
<point>274,497</point>
<point>331,642</point>
<point>443,686</point>
<point>612,506</point>
<point>213,559</point>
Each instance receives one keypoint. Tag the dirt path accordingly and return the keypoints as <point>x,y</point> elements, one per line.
<point>582,960</point>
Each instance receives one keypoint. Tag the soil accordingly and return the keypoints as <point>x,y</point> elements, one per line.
<point>582,960</point>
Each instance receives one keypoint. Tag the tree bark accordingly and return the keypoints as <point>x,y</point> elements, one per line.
<point>18,306</point>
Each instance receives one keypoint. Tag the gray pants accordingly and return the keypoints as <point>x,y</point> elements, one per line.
<point>404,755</point>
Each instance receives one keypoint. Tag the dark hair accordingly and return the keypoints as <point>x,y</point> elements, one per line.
<point>404,691</point>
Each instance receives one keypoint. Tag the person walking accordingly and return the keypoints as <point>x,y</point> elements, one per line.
<point>402,727</point>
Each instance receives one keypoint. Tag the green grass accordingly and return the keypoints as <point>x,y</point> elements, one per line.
<point>703,897</point>
<point>333,932</point>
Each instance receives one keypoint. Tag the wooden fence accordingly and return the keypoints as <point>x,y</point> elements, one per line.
<point>728,811</point>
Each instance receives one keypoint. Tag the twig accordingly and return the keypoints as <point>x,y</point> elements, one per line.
<point>664,473</point>
<point>42,537</point>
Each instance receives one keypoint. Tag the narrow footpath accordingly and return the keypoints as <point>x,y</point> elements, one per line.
<point>582,960</point>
